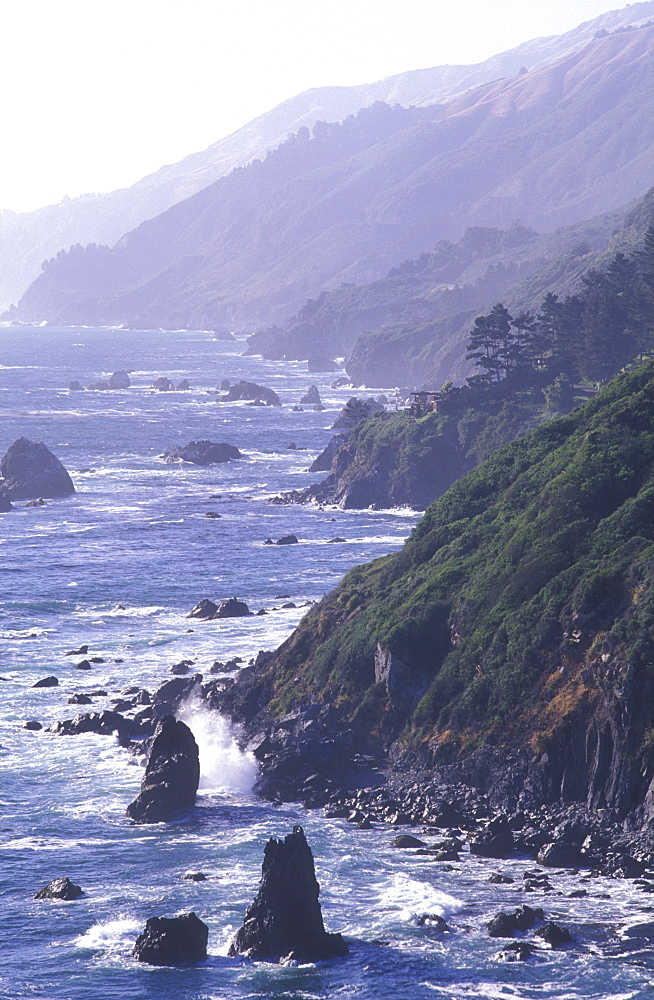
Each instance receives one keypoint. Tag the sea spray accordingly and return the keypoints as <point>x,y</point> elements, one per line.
<point>223,765</point>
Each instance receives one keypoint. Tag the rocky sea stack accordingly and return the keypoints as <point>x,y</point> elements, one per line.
<point>171,776</point>
<point>284,923</point>
<point>29,469</point>
<point>178,940</point>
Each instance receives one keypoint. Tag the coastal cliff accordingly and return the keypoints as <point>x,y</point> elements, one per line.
<point>510,644</point>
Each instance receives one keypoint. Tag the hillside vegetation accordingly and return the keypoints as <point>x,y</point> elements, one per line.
<point>520,612</point>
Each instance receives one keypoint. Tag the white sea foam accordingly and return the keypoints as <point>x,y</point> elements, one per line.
<point>223,765</point>
<point>111,935</point>
<point>412,898</point>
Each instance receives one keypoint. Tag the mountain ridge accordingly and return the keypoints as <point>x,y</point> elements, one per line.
<point>29,238</point>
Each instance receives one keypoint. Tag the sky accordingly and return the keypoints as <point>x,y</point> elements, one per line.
<point>95,94</point>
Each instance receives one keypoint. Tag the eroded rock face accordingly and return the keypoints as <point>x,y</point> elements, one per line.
<point>60,888</point>
<point>29,469</point>
<point>171,777</point>
<point>202,453</point>
<point>178,940</point>
<point>250,390</point>
<point>285,919</point>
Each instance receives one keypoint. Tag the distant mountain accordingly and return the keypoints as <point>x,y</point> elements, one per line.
<point>551,147</point>
<point>27,239</point>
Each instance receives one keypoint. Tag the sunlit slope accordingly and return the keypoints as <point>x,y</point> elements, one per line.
<point>520,612</point>
<point>549,147</point>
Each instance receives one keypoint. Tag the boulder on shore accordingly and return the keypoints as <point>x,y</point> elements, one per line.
<point>171,777</point>
<point>172,940</point>
<point>285,919</point>
<point>201,453</point>
<point>29,469</point>
<point>60,888</point>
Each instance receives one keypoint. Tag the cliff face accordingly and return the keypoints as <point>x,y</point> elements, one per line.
<point>511,641</point>
<point>390,460</point>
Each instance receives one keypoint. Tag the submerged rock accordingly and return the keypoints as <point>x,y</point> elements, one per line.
<point>29,469</point>
<point>202,453</point>
<point>285,919</point>
<point>178,940</point>
<point>171,777</point>
<point>60,888</point>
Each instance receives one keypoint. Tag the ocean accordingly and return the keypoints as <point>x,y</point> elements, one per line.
<point>117,567</point>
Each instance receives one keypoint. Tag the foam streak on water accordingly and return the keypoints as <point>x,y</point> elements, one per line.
<point>117,567</point>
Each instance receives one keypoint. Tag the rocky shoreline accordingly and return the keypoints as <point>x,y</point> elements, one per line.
<point>308,757</point>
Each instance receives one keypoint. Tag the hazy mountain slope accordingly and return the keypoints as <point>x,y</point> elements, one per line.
<point>519,614</point>
<point>31,237</point>
<point>552,147</point>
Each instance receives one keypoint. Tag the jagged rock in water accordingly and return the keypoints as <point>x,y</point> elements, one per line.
<point>287,540</point>
<point>103,723</point>
<point>517,951</point>
<point>554,935</point>
<point>232,608</point>
<point>521,919</point>
<point>285,919</point>
<point>5,502</point>
<point>311,397</point>
<point>495,840</point>
<point>29,469</point>
<point>202,453</point>
<point>47,682</point>
<point>60,888</point>
<point>184,385</point>
<point>163,384</point>
<point>171,777</point>
<point>250,390</point>
<point>172,941</point>
<point>119,380</point>
<point>75,386</point>
<point>204,609</point>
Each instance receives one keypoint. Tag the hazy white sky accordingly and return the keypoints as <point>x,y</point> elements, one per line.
<point>97,93</point>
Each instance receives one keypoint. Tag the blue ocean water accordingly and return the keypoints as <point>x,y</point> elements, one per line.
<point>117,567</point>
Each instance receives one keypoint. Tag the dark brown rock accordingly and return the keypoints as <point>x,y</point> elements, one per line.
<point>202,453</point>
<point>178,940</point>
<point>171,777</point>
<point>285,919</point>
<point>60,888</point>
<point>29,469</point>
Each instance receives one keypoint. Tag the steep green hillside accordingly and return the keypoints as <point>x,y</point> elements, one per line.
<point>520,612</point>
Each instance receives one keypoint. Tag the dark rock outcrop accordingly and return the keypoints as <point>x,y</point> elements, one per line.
<point>495,840</point>
<point>60,888</point>
<point>554,935</point>
<point>47,682</point>
<point>103,723</point>
<point>201,453</point>
<point>521,919</point>
<point>119,380</point>
<point>250,390</point>
<point>285,919</point>
<point>287,540</point>
<point>5,502</point>
<point>178,940</point>
<point>171,777</point>
<point>163,384</point>
<point>311,397</point>
<point>29,469</point>
<point>204,610</point>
